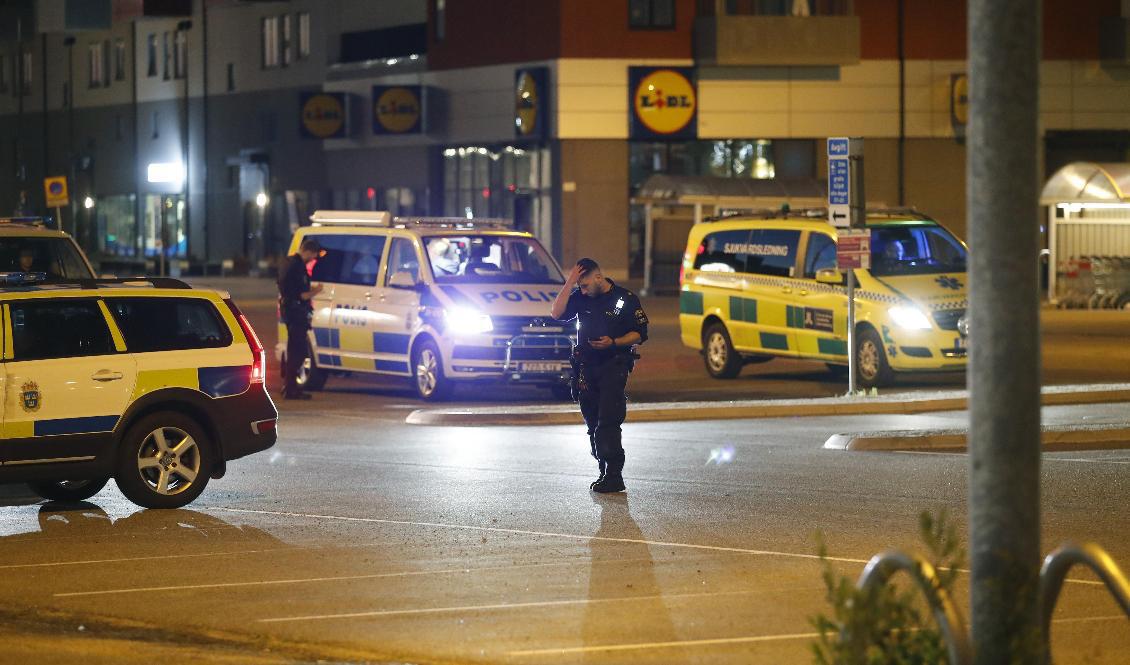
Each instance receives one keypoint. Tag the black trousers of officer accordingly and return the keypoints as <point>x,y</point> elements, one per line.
<point>604,407</point>
<point>296,348</point>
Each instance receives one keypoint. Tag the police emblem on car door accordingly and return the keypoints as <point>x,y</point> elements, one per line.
<point>30,397</point>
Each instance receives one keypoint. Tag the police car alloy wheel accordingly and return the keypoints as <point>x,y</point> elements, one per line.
<point>68,490</point>
<point>427,371</point>
<point>718,353</point>
<point>164,461</point>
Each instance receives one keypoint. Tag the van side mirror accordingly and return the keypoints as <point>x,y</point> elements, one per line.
<point>403,280</point>
<point>829,276</point>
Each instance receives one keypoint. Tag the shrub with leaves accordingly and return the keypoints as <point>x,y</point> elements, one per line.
<point>886,624</point>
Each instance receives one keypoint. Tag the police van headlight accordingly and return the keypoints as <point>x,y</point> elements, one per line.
<point>467,321</point>
<point>910,318</point>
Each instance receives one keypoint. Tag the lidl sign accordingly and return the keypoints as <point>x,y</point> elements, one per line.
<point>323,115</point>
<point>397,109</point>
<point>664,102</point>
<point>531,103</point>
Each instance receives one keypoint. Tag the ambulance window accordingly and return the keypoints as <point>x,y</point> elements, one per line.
<point>821,254</point>
<point>773,252</point>
<point>915,250</point>
<point>724,251</point>
<point>348,259</point>
<point>63,329</point>
<point>169,324</point>
<point>402,258</point>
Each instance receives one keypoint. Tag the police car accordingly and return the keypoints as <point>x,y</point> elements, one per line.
<point>765,285</point>
<point>439,301</point>
<point>32,244</point>
<point>152,383</point>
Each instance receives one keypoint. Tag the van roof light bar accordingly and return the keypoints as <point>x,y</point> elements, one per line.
<point>351,218</point>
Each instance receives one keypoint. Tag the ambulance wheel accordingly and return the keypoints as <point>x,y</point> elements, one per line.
<point>309,376</point>
<point>871,360</point>
<point>164,461</point>
<point>561,392</point>
<point>68,490</point>
<point>718,354</point>
<point>427,372</point>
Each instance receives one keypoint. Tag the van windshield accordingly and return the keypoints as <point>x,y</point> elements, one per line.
<point>58,257</point>
<point>915,250</point>
<point>487,259</point>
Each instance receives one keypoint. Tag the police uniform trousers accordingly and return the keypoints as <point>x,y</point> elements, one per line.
<point>604,406</point>
<point>297,325</point>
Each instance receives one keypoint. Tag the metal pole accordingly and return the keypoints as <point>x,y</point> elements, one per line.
<point>1004,365</point>
<point>648,232</point>
<point>858,220</point>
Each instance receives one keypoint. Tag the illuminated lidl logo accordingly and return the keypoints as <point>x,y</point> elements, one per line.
<point>665,101</point>
<point>396,109</point>
<point>323,116</point>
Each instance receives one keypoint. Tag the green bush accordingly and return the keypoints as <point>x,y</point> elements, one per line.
<point>887,625</point>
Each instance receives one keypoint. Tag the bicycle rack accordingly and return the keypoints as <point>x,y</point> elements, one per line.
<point>883,566</point>
<point>1054,572</point>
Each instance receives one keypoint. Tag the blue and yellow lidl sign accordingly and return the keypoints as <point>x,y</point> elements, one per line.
<point>397,109</point>
<point>664,103</point>
<point>323,115</point>
<point>531,103</point>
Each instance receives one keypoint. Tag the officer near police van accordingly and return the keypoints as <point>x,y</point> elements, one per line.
<point>295,294</point>
<point>612,324</point>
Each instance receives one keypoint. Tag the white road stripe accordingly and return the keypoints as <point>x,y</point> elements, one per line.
<point>505,606</point>
<point>720,641</point>
<point>139,558</point>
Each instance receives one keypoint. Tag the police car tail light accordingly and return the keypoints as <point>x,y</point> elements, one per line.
<point>911,318</point>
<point>258,353</point>
<point>467,321</point>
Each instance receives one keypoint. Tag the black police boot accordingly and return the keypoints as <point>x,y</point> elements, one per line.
<point>603,469</point>
<point>611,481</point>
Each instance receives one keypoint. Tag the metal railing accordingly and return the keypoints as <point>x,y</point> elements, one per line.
<point>1053,574</point>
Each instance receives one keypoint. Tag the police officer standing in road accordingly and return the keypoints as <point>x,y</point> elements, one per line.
<point>295,294</point>
<point>612,323</point>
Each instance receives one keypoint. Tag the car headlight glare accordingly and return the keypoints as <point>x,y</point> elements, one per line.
<point>910,318</point>
<point>467,321</point>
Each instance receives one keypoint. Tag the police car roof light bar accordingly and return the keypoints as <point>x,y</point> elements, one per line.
<point>351,218</point>
<point>21,278</point>
<point>43,222</point>
<point>455,223</point>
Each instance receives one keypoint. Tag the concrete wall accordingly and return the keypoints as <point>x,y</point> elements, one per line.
<point>594,204</point>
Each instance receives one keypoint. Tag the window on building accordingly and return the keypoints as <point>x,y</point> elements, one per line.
<point>651,14</point>
<point>4,85</point>
<point>119,59</point>
<point>284,43</point>
<point>180,54</point>
<point>28,73</point>
<point>166,69</point>
<point>231,77</point>
<point>303,35</point>
<point>440,20</point>
<point>270,31</point>
<point>95,65</point>
<point>152,55</point>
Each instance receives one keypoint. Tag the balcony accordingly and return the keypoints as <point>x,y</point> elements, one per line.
<point>733,33</point>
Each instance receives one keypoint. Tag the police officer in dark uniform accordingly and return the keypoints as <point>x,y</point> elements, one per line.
<point>612,323</point>
<point>295,307</point>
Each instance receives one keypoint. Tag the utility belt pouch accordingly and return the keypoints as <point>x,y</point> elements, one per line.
<point>577,383</point>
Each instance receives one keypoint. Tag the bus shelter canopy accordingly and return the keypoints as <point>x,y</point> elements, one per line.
<point>1088,182</point>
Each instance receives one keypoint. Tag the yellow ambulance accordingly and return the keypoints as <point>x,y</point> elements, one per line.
<point>766,285</point>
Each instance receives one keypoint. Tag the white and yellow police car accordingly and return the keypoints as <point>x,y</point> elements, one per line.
<point>758,286</point>
<point>33,244</point>
<point>440,301</point>
<point>153,383</point>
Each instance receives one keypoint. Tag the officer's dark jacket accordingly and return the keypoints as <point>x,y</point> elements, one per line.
<point>614,314</point>
<point>293,282</point>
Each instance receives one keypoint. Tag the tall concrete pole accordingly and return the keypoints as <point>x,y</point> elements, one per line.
<point>1004,366</point>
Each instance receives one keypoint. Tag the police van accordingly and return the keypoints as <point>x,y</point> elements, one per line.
<point>150,382</point>
<point>436,300</point>
<point>765,285</point>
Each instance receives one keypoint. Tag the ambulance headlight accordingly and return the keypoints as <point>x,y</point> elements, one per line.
<point>467,321</point>
<point>910,318</point>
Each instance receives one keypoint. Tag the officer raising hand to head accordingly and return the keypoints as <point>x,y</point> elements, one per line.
<point>612,324</point>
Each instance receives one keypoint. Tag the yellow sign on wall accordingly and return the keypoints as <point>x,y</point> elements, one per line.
<point>55,189</point>
<point>959,104</point>
<point>664,102</point>
<point>396,109</point>
<point>323,115</point>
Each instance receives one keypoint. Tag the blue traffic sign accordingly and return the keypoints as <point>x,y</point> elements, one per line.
<point>838,147</point>
<point>839,181</point>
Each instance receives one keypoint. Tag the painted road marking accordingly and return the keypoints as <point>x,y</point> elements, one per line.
<point>140,558</point>
<point>338,578</point>
<point>720,641</point>
<point>506,606</point>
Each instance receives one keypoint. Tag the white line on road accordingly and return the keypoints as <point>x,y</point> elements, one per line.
<point>570,536</point>
<point>720,641</point>
<point>506,606</point>
<point>139,558</point>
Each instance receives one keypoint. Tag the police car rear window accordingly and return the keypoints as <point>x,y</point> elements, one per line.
<point>69,328</point>
<point>169,324</point>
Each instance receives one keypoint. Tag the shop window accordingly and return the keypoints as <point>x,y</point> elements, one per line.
<point>180,54</point>
<point>119,59</point>
<point>166,61</point>
<point>303,35</point>
<point>231,77</point>
<point>270,42</point>
<point>151,69</point>
<point>28,73</point>
<point>651,14</point>
<point>95,65</point>
<point>284,43</point>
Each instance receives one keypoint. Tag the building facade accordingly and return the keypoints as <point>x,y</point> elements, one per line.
<point>552,113</point>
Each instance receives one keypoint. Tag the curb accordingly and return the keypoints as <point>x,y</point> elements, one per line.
<point>1052,438</point>
<point>827,406</point>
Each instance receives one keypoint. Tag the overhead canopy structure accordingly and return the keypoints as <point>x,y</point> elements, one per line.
<point>676,202</point>
<point>1088,233</point>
